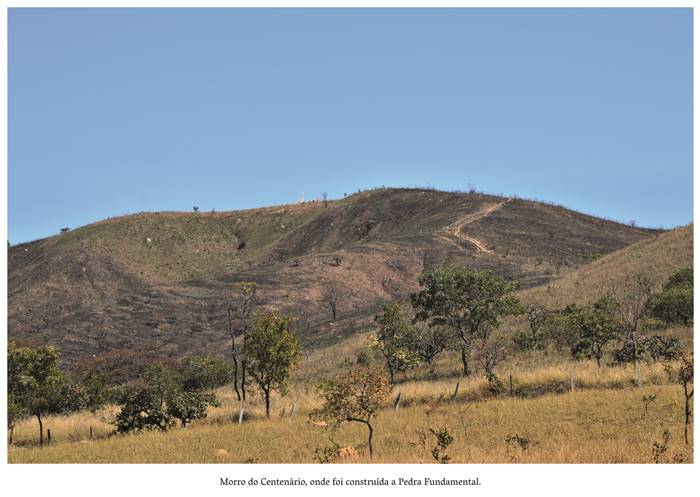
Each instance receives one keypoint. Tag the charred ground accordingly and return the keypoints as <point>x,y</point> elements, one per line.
<point>127,290</point>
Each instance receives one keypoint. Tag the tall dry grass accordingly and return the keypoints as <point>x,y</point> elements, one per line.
<point>587,426</point>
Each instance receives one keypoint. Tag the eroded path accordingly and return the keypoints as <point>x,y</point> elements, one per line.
<point>455,232</point>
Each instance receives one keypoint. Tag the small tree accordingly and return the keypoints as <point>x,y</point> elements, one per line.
<point>536,317</point>
<point>329,299</point>
<point>560,325</point>
<point>354,397</point>
<point>239,312</point>
<point>37,386</point>
<point>271,351</point>
<point>324,196</point>
<point>467,301</point>
<point>491,351</point>
<point>395,339</point>
<point>429,341</point>
<point>595,328</point>
<point>683,374</point>
<point>632,301</point>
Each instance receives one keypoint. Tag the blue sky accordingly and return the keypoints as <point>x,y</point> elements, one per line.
<point>120,111</point>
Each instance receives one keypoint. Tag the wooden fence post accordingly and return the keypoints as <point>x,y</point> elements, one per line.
<point>397,402</point>
<point>454,395</point>
<point>571,378</point>
<point>240,416</point>
<point>510,383</point>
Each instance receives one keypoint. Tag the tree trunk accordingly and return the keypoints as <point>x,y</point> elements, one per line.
<point>597,358</point>
<point>267,403</point>
<point>465,363</point>
<point>235,374</point>
<point>41,430</point>
<point>391,374</point>
<point>12,430</point>
<point>243,380</point>
<point>369,439</point>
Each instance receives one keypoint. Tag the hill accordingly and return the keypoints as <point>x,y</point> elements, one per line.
<point>153,285</point>
<point>657,258</point>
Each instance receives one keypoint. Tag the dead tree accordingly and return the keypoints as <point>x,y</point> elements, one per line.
<point>330,298</point>
<point>239,312</point>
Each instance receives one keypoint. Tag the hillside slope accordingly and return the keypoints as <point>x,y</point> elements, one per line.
<point>128,289</point>
<point>657,258</point>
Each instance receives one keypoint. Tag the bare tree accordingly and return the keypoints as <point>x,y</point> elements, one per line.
<point>633,300</point>
<point>324,196</point>
<point>491,350</point>
<point>239,312</point>
<point>536,316</point>
<point>329,299</point>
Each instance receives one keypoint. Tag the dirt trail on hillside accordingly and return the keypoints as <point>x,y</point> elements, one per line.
<point>454,230</point>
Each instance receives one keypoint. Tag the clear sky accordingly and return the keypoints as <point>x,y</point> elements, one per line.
<point>121,111</point>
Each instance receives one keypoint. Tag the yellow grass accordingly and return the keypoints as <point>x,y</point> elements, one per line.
<point>656,258</point>
<point>599,426</point>
<point>601,421</point>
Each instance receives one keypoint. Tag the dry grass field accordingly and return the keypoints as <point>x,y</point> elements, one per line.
<point>603,420</point>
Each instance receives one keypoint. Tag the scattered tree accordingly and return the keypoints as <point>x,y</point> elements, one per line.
<point>37,386</point>
<point>395,339</point>
<point>272,351</point>
<point>491,351</point>
<point>239,312</point>
<point>559,326</point>
<point>429,341</point>
<point>596,326</point>
<point>632,301</point>
<point>354,397</point>
<point>536,317</point>
<point>469,302</point>
<point>329,299</point>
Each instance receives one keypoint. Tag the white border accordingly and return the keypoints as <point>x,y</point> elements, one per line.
<point>203,479</point>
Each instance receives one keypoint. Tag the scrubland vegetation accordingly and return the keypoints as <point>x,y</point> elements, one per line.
<point>467,371</point>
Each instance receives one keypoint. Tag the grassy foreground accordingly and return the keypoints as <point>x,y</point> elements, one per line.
<point>586,426</point>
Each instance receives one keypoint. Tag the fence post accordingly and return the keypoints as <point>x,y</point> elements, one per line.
<point>397,402</point>
<point>240,416</point>
<point>510,383</point>
<point>571,378</point>
<point>454,395</point>
<point>90,432</point>
<point>294,408</point>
